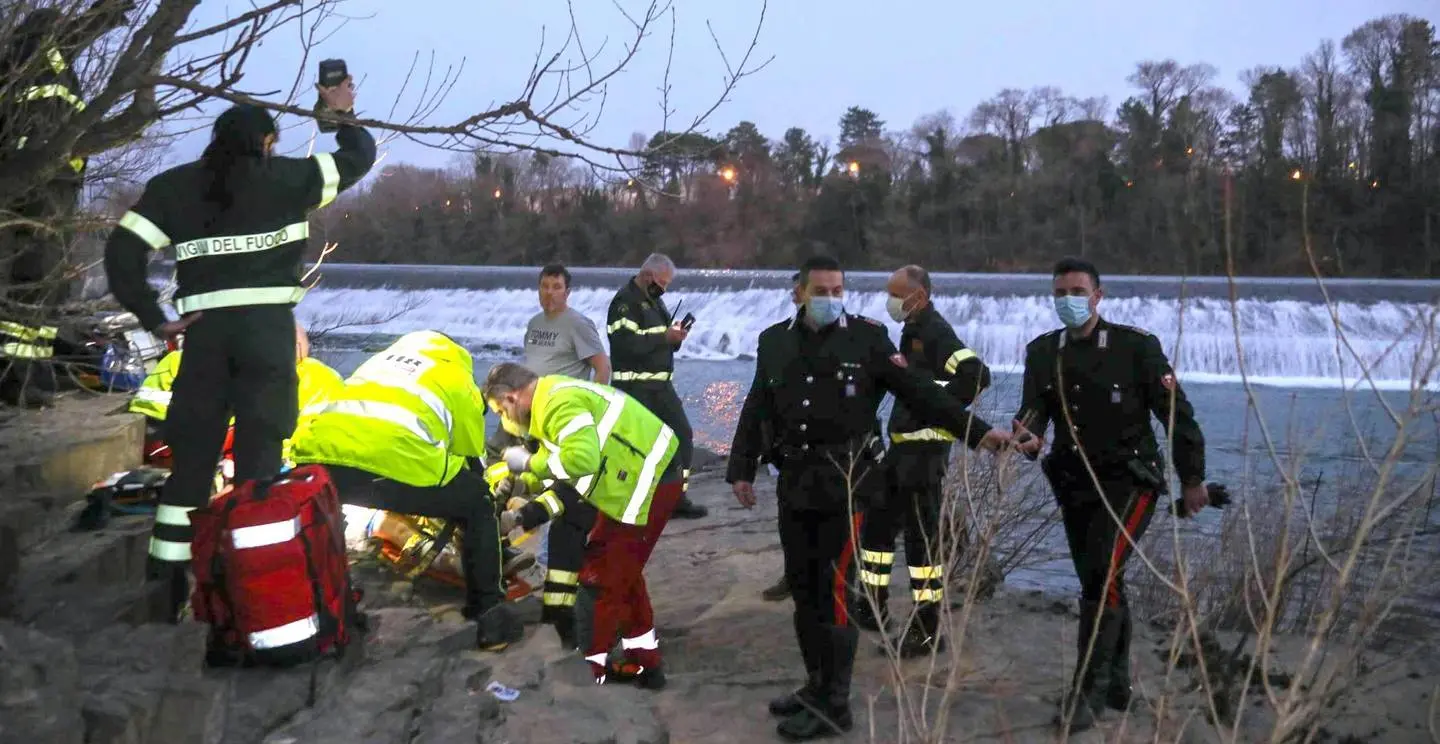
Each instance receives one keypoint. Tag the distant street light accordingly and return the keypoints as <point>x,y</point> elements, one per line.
<point>853,167</point>
<point>497,193</point>
<point>1296,175</point>
<point>728,173</point>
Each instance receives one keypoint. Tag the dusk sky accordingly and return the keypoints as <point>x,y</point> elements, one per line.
<point>902,59</point>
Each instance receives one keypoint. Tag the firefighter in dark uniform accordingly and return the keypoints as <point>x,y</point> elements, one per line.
<point>38,67</point>
<point>238,221</point>
<point>1099,382</point>
<point>643,341</point>
<point>915,469</point>
<point>819,380</point>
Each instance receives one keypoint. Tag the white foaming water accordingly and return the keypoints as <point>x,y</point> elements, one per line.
<point>1284,342</point>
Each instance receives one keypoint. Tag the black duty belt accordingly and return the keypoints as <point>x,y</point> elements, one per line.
<point>825,451</point>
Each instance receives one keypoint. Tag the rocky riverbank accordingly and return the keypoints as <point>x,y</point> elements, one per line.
<point>79,662</point>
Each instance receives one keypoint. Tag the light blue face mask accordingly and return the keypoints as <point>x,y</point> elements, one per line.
<point>824,310</point>
<point>1074,310</point>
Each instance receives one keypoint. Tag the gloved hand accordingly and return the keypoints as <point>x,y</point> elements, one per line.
<point>510,488</point>
<point>516,458</point>
<point>509,520</point>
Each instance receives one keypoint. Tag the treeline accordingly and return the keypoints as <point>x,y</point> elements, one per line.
<point>1343,148</point>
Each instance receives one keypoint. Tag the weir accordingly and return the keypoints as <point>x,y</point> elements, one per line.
<point>1285,340</point>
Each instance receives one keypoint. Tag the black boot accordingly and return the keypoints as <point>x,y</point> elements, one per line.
<point>1085,699</point>
<point>688,509</point>
<point>867,615</point>
<point>923,637</point>
<point>779,591</point>
<point>1118,693</point>
<point>498,628</point>
<point>811,650</point>
<point>830,715</point>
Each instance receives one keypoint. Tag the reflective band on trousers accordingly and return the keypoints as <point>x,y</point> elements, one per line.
<point>924,435</point>
<point>239,298</point>
<point>633,327</point>
<point>171,552</point>
<point>227,245</point>
<point>261,535</point>
<point>645,641</point>
<point>387,412</point>
<point>641,376</point>
<point>329,178</point>
<point>558,599</point>
<point>285,635</point>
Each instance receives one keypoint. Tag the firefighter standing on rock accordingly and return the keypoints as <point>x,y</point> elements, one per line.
<point>915,469</point>
<point>238,222</point>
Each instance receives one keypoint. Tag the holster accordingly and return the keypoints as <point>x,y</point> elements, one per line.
<point>1148,475</point>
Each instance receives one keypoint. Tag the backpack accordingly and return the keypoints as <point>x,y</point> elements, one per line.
<point>272,577</point>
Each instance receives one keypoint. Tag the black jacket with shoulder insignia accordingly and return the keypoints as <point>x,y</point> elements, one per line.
<point>929,343</point>
<point>820,389</point>
<point>1111,383</point>
<point>636,326</point>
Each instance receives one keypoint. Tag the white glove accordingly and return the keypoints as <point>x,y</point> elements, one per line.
<point>510,488</point>
<point>509,519</point>
<point>516,458</point>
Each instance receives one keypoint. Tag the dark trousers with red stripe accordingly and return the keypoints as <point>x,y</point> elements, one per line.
<point>1099,546</point>
<point>615,558</point>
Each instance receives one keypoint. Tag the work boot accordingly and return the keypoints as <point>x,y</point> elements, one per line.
<point>778,591</point>
<point>923,637</point>
<point>1118,693</point>
<point>687,509</point>
<point>811,650</point>
<point>1085,700</point>
<point>871,616</point>
<point>498,628</point>
<point>646,677</point>
<point>515,562</point>
<point>829,715</point>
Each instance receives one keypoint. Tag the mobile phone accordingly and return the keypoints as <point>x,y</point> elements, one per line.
<point>688,321</point>
<point>332,73</point>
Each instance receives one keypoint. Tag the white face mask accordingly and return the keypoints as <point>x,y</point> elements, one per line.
<point>896,307</point>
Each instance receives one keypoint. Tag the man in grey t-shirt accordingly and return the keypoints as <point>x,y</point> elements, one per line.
<point>561,341</point>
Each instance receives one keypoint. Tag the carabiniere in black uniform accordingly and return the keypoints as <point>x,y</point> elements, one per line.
<point>240,267</point>
<point>819,391</point>
<point>915,472</point>
<point>1100,392</point>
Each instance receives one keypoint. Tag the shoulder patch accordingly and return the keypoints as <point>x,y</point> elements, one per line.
<point>1130,329</point>
<point>918,346</point>
<point>899,360</point>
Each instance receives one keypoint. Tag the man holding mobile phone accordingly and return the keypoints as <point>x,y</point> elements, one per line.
<point>644,337</point>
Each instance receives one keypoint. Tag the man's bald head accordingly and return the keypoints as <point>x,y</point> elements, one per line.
<point>910,286</point>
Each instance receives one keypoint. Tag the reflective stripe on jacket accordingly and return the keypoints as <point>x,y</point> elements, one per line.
<point>601,441</point>
<point>411,413</point>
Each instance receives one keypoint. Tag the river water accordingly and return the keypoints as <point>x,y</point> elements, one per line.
<point>1306,380</point>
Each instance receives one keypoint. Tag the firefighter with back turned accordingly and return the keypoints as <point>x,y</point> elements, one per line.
<point>1099,382</point>
<point>819,380</point>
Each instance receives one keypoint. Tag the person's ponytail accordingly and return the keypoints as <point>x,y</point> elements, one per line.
<point>237,145</point>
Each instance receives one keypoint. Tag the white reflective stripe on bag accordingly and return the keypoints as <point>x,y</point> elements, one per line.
<point>260,535</point>
<point>285,635</point>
